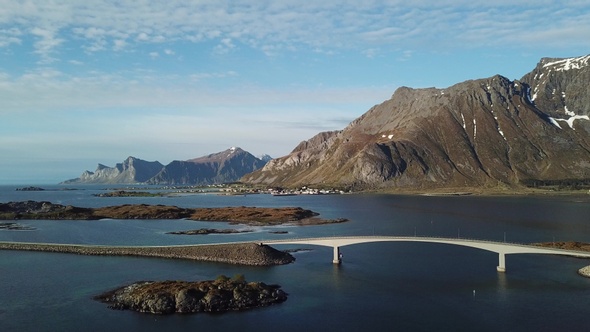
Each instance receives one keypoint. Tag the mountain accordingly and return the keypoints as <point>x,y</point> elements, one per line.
<point>266,158</point>
<point>132,170</point>
<point>226,166</point>
<point>490,133</point>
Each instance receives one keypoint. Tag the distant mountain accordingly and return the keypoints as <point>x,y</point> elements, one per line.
<point>266,158</point>
<point>132,170</point>
<point>491,132</point>
<point>226,166</point>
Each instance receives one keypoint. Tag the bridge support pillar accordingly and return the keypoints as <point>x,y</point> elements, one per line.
<point>501,262</point>
<point>337,256</point>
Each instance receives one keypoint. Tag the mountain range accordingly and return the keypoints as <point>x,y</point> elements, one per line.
<point>485,133</point>
<point>226,166</point>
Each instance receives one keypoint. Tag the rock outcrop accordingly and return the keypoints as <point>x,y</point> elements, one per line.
<point>219,295</point>
<point>490,132</point>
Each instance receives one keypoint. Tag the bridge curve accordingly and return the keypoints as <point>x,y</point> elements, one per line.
<point>501,248</point>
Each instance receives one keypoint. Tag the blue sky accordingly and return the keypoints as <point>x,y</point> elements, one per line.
<point>88,82</point>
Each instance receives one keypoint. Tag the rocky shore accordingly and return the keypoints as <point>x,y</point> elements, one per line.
<point>219,295</point>
<point>566,245</point>
<point>585,271</point>
<point>258,216</point>
<point>239,253</point>
<point>570,245</point>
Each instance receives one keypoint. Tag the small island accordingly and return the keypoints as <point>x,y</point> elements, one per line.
<point>214,296</point>
<point>12,226</point>
<point>30,188</point>
<point>126,193</point>
<point>205,231</point>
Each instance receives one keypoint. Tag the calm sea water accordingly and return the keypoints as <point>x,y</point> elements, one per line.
<point>394,286</point>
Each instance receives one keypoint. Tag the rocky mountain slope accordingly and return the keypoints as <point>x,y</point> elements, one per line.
<point>225,166</point>
<point>490,132</point>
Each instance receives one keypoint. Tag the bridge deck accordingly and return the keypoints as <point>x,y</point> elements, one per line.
<point>501,248</point>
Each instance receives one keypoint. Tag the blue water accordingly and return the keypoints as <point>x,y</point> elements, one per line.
<point>393,286</point>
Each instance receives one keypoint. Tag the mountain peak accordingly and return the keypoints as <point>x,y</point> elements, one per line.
<point>565,64</point>
<point>220,167</point>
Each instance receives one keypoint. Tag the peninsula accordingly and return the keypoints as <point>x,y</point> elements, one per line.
<point>256,216</point>
<point>253,254</point>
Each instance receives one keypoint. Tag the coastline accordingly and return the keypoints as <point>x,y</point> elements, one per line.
<point>247,253</point>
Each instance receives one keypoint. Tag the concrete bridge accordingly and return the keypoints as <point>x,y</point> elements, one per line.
<point>501,248</point>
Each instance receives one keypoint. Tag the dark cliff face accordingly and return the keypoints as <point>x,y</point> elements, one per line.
<point>487,132</point>
<point>226,166</point>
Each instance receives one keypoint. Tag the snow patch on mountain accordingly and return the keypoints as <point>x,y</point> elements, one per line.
<point>569,121</point>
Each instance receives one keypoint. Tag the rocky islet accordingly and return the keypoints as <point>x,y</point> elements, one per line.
<point>219,295</point>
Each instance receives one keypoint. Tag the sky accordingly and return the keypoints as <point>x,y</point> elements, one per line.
<point>88,82</point>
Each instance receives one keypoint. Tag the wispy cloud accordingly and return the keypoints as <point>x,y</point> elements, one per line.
<point>50,89</point>
<point>46,43</point>
<point>282,25</point>
<point>10,36</point>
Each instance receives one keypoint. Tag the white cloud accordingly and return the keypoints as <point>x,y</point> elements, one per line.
<point>225,46</point>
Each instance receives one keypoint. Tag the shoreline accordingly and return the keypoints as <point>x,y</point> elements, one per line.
<point>480,192</point>
<point>245,253</point>
<point>585,271</point>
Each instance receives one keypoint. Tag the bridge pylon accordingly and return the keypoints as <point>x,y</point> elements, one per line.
<point>501,262</point>
<point>337,256</point>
